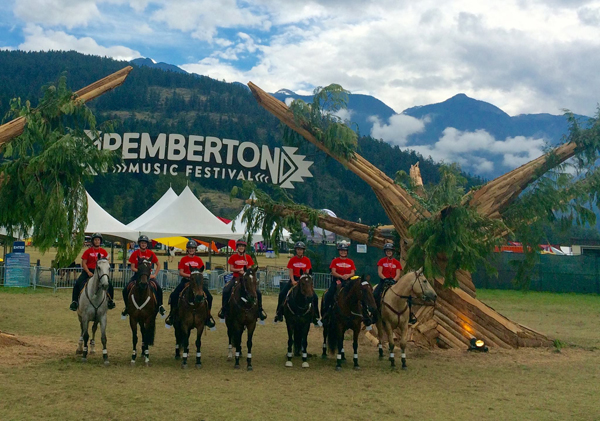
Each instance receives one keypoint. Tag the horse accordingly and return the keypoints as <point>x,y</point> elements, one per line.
<point>142,308</point>
<point>353,300</point>
<point>192,312</point>
<point>242,314</point>
<point>93,305</point>
<point>396,302</point>
<point>299,313</point>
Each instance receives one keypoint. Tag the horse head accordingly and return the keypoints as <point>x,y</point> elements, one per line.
<point>249,284</point>
<point>305,284</point>
<point>144,269</point>
<point>367,299</point>
<point>102,272</point>
<point>422,288</point>
<point>196,285</point>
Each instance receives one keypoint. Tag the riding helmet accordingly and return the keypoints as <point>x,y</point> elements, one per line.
<point>299,245</point>
<point>143,238</point>
<point>97,235</point>
<point>342,246</point>
<point>191,244</point>
<point>240,243</point>
<point>388,246</point>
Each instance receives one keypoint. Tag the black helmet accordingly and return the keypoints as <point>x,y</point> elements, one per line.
<point>143,238</point>
<point>342,246</point>
<point>97,235</point>
<point>240,242</point>
<point>388,246</point>
<point>191,244</point>
<point>299,245</point>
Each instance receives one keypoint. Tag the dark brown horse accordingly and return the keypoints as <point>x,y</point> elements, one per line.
<point>142,308</point>
<point>353,302</point>
<point>192,312</point>
<point>299,313</point>
<point>242,314</point>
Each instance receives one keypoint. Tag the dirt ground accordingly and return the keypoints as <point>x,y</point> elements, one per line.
<point>42,377</point>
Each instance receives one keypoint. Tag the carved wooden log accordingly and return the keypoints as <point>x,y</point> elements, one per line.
<point>15,127</point>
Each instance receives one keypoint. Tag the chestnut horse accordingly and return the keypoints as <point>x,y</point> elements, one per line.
<point>353,300</point>
<point>192,312</point>
<point>242,314</point>
<point>299,313</point>
<point>142,308</point>
<point>396,301</point>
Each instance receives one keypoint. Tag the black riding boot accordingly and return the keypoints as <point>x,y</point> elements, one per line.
<point>261,313</point>
<point>210,322</point>
<point>111,294</point>
<point>224,301</point>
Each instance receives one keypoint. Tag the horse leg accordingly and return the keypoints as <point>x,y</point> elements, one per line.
<point>93,341</point>
<point>379,325</point>
<point>325,329</point>
<point>403,340</point>
<point>79,350</point>
<point>86,337</point>
<point>186,345</point>
<point>290,332</point>
<point>103,338</point>
<point>199,346</point>
<point>144,328</point>
<point>391,342</point>
<point>229,347</point>
<point>178,340</point>
<point>305,330</point>
<point>355,347</point>
<point>237,343</point>
<point>134,337</point>
<point>340,347</point>
<point>249,345</point>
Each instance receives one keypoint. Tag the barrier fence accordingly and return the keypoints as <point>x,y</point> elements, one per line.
<point>269,279</point>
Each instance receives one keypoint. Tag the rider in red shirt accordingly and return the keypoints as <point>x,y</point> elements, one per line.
<point>297,263</point>
<point>238,263</point>
<point>145,253</point>
<point>342,269</point>
<point>195,262</point>
<point>88,264</point>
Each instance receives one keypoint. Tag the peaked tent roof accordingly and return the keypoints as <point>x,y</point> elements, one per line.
<point>101,221</point>
<point>187,216</point>
<point>162,203</point>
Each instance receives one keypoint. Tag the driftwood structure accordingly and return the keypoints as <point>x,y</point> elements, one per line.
<point>458,315</point>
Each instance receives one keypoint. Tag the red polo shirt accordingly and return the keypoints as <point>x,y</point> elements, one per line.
<point>91,256</point>
<point>146,254</point>
<point>342,266</point>
<point>389,267</point>
<point>299,263</point>
<point>187,261</point>
<point>239,261</point>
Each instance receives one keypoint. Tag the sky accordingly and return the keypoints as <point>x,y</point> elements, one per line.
<point>524,56</point>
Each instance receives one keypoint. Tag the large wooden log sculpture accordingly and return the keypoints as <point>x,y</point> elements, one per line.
<point>15,127</point>
<point>458,316</point>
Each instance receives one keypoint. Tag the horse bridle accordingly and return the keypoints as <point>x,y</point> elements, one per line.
<point>308,308</point>
<point>408,298</point>
<point>192,303</point>
<point>242,298</point>
<point>97,289</point>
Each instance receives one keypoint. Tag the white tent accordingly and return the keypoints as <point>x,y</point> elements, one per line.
<point>188,217</point>
<point>101,221</point>
<point>318,235</point>
<point>162,203</point>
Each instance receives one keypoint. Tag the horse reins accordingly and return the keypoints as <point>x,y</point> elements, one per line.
<point>97,289</point>
<point>287,302</point>
<point>408,298</point>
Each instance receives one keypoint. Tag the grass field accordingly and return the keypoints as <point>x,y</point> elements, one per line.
<point>41,378</point>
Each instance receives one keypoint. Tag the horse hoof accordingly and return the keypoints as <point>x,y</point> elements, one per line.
<point>250,368</point>
<point>106,363</point>
<point>305,365</point>
<point>338,369</point>
<point>289,364</point>
<point>84,360</point>
<point>229,357</point>
<point>198,365</point>
<point>236,367</point>
<point>148,364</point>
<point>323,357</point>
<point>356,367</point>
<point>177,357</point>
<point>184,366</point>
<point>132,364</point>
<point>404,367</point>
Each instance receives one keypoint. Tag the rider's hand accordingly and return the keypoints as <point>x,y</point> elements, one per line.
<point>338,282</point>
<point>153,276</point>
<point>294,282</point>
<point>90,274</point>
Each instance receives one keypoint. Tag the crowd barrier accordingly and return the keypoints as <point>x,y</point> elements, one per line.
<point>269,279</point>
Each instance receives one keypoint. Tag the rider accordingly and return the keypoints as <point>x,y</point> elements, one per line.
<point>342,269</point>
<point>88,263</point>
<point>239,262</point>
<point>190,259</point>
<point>145,253</point>
<point>297,263</point>
<point>389,270</point>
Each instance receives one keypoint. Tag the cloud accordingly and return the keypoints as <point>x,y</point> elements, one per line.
<point>38,39</point>
<point>67,13</point>
<point>398,129</point>
<point>477,151</point>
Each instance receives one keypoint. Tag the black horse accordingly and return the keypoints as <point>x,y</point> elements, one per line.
<point>242,314</point>
<point>299,313</point>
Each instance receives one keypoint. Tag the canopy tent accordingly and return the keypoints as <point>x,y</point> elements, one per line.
<point>101,221</point>
<point>186,216</point>
<point>181,242</point>
<point>319,235</point>
<point>162,203</point>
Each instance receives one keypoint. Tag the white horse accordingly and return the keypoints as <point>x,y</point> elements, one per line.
<point>93,306</point>
<point>396,301</point>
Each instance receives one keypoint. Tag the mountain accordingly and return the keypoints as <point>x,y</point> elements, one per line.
<point>148,62</point>
<point>362,108</point>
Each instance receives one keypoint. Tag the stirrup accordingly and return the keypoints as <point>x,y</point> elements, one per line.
<point>111,304</point>
<point>262,315</point>
<point>124,312</point>
<point>278,318</point>
<point>169,319</point>
<point>210,322</point>
<point>162,310</point>
<point>74,305</point>
<point>412,319</point>
<point>221,314</point>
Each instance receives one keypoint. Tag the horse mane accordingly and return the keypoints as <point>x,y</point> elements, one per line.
<point>350,284</point>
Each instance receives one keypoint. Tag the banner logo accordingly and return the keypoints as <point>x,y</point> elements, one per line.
<point>206,157</point>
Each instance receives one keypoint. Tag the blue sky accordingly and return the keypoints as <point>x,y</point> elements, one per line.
<point>523,56</point>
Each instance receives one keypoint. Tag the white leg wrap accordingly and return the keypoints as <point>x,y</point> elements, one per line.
<point>198,354</point>
<point>230,347</point>
<point>324,346</point>
<point>391,355</point>
<point>185,355</point>
<point>403,355</point>
<point>339,356</point>
<point>85,348</point>
<point>134,352</point>
<point>133,361</point>
<point>304,355</point>
<point>249,356</point>
<point>380,346</point>
<point>146,352</point>
<point>289,355</point>
<point>237,354</point>
<point>105,351</point>
<point>355,355</point>
<point>176,346</point>
<point>343,350</point>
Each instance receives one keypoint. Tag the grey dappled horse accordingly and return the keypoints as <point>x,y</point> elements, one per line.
<point>93,305</point>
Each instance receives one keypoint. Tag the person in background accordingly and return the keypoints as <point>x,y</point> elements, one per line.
<point>342,268</point>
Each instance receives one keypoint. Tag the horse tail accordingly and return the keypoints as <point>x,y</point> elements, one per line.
<point>332,332</point>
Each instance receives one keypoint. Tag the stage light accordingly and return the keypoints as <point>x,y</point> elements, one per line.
<point>478,345</point>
